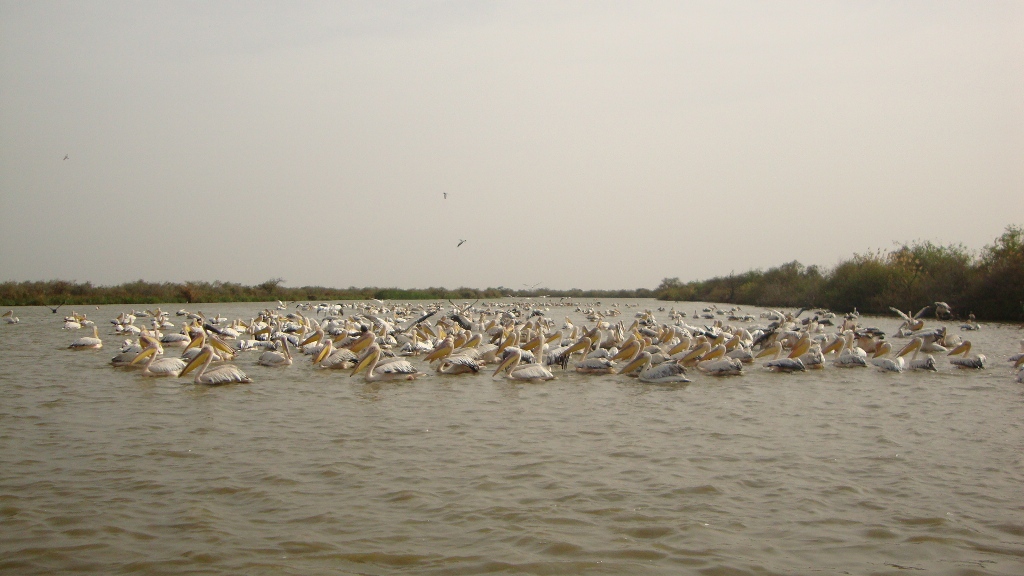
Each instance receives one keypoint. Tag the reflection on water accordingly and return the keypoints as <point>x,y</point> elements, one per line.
<point>313,472</point>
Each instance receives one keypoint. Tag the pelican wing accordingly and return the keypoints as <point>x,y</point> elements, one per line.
<point>531,372</point>
<point>664,373</point>
<point>227,374</point>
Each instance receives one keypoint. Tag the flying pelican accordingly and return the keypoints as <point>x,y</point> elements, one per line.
<point>976,362</point>
<point>528,372</point>
<point>87,342</point>
<point>10,318</point>
<point>224,374</point>
<point>276,359</point>
<point>158,366</point>
<point>664,373</point>
<point>393,370</point>
<point>461,242</point>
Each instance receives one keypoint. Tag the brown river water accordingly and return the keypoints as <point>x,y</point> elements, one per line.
<point>835,471</point>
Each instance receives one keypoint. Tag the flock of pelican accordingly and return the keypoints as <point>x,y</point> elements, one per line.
<point>405,342</point>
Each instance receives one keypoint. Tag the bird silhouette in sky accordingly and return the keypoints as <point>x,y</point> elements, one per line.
<point>461,242</point>
<point>65,156</point>
<point>445,195</point>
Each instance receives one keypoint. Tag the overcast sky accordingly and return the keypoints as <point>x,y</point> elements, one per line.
<point>580,144</point>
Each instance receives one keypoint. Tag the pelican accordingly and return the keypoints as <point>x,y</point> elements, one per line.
<point>965,361</point>
<point>158,366</point>
<point>394,370</point>
<point>87,342</point>
<point>10,318</point>
<point>459,364</point>
<point>664,373</point>
<point>779,364</point>
<point>331,357</point>
<point>276,359</point>
<point>887,364</point>
<point>224,374</point>
<point>850,356</point>
<point>1019,366</point>
<point>926,363</point>
<point>528,372</point>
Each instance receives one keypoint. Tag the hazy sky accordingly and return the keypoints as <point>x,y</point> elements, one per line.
<point>581,144</point>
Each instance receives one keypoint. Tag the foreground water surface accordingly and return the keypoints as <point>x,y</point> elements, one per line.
<point>313,472</point>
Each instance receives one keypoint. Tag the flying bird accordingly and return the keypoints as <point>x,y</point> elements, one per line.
<point>445,195</point>
<point>461,242</point>
<point>54,309</point>
<point>65,156</point>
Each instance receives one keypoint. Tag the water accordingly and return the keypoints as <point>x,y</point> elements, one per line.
<point>313,472</point>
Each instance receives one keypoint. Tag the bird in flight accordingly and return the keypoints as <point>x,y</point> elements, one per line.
<point>54,309</point>
<point>65,156</point>
<point>445,195</point>
<point>461,242</point>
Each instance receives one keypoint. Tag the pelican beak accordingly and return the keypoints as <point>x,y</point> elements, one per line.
<point>556,335</point>
<point>717,352</point>
<point>363,341</point>
<point>770,350</point>
<point>696,353</point>
<point>635,365</point>
<point>197,361</point>
<point>142,355</point>
<point>321,355</point>
<point>221,345</point>
<point>882,349</point>
<point>684,344</point>
<point>963,348</point>
<point>835,346</point>
<point>802,346</point>
<point>581,344</point>
<point>314,337</point>
<point>533,343</point>
<point>910,347</point>
<point>504,365</point>
<point>442,351</point>
<point>364,363</point>
<point>628,351</point>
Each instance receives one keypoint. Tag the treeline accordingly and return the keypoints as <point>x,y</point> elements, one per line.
<point>54,292</point>
<point>989,284</point>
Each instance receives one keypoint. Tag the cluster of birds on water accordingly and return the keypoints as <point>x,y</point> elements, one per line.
<point>380,341</point>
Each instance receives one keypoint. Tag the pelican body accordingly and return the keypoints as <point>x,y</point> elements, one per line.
<point>394,370</point>
<point>88,342</point>
<point>224,374</point>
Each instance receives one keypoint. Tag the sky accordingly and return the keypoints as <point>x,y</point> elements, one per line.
<point>593,145</point>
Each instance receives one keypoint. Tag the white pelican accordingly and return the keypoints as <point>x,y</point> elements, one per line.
<point>10,318</point>
<point>965,361</point>
<point>850,356</point>
<point>459,364</point>
<point>1019,366</point>
<point>779,364</point>
<point>336,358</point>
<point>276,359</point>
<point>158,366</point>
<point>527,372</point>
<point>88,342</point>
<point>224,374</point>
<point>881,359</point>
<point>394,370</point>
<point>664,373</point>
<point>926,363</point>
